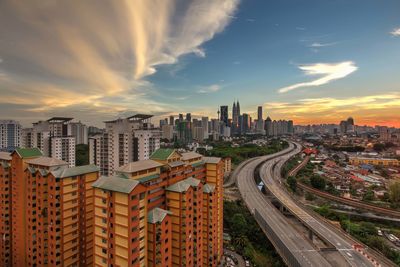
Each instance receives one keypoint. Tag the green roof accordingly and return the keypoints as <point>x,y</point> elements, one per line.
<point>29,152</point>
<point>193,181</point>
<point>179,187</point>
<point>162,153</point>
<point>64,172</point>
<point>115,184</point>
<point>208,188</point>
<point>148,178</point>
<point>157,215</point>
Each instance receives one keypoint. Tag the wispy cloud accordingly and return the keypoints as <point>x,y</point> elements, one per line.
<point>395,32</point>
<point>79,64</point>
<point>300,28</point>
<point>319,45</point>
<point>250,20</point>
<point>329,72</point>
<point>209,89</point>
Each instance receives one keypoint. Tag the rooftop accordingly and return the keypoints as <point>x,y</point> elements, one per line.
<point>212,160</point>
<point>28,152</point>
<point>5,156</point>
<point>176,163</point>
<point>208,188</point>
<point>115,184</point>
<point>59,119</point>
<point>162,153</point>
<point>179,187</point>
<point>140,117</point>
<point>192,181</point>
<point>47,161</point>
<point>139,166</point>
<point>157,215</point>
<point>74,171</point>
<point>190,155</point>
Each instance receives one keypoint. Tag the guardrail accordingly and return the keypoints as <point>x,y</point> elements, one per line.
<point>289,258</point>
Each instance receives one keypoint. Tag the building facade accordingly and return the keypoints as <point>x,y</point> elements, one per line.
<point>53,138</point>
<point>125,140</point>
<point>165,211</point>
<point>10,135</point>
<point>50,211</point>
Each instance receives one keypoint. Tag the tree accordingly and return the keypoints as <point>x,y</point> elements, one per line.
<point>394,192</point>
<point>292,182</point>
<point>318,182</point>
<point>369,195</point>
<point>81,155</point>
<point>378,147</point>
<point>239,224</point>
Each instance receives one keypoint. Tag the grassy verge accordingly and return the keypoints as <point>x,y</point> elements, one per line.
<point>247,237</point>
<point>364,231</point>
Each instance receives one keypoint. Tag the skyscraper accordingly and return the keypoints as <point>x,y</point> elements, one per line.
<point>171,120</point>
<point>260,121</point>
<point>224,115</point>
<point>10,135</point>
<point>268,127</point>
<point>188,117</point>
<point>204,124</point>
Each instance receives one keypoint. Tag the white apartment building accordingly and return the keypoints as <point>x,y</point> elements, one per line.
<point>10,135</point>
<point>125,140</point>
<point>52,138</point>
<point>79,131</point>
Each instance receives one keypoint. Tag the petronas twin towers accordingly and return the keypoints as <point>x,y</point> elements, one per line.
<point>235,114</point>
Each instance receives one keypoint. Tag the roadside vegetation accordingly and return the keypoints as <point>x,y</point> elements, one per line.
<point>246,151</point>
<point>364,231</point>
<point>247,237</point>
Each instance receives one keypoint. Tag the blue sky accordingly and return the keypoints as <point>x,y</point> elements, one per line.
<point>311,61</point>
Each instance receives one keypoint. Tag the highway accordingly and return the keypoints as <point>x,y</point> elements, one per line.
<point>298,249</point>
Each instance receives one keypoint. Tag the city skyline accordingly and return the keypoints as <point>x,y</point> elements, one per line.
<point>312,62</point>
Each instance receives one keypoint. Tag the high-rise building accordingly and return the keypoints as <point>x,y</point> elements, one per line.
<point>224,115</point>
<point>52,211</point>
<point>79,131</point>
<point>204,124</point>
<point>166,211</point>
<point>188,117</point>
<point>268,127</point>
<point>180,117</point>
<point>260,121</point>
<point>125,140</point>
<point>52,138</point>
<point>245,122</point>
<point>184,132</point>
<point>167,132</point>
<point>171,120</point>
<point>10,135</point>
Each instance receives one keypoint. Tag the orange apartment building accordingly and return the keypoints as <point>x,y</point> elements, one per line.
<point>165,211</point>
<point>47,211</point>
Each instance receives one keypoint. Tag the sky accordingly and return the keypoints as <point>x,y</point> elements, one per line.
<point>312,61</point>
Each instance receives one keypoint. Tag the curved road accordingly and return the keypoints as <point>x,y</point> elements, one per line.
<point>297,244</point>
<point>301,249</point>
<point>270,174</point>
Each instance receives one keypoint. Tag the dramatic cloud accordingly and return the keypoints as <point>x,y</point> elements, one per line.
<point>209,89</point>
<point>329,72</point>
<point>395,32</point>
<point>59,54</point>
<point>374,109</point>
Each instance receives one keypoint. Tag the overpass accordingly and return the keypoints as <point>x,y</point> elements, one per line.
<point>294,247</point>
